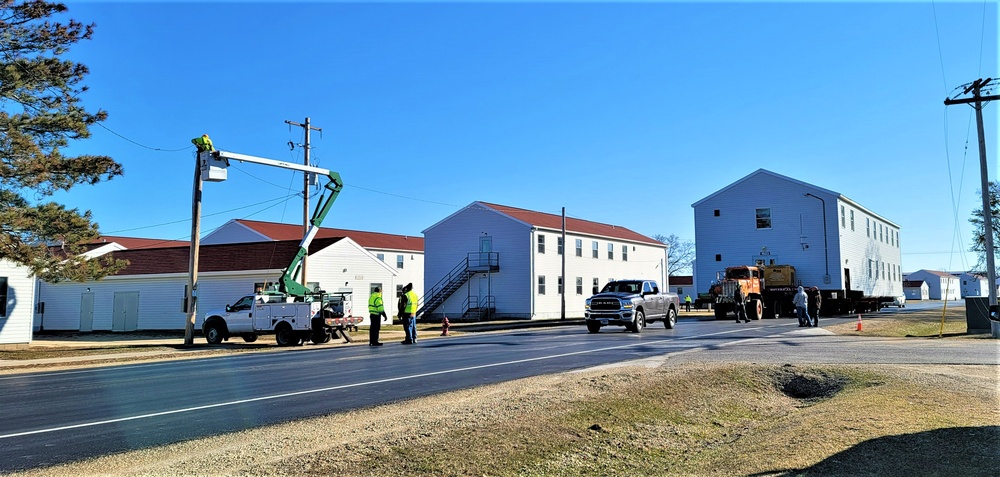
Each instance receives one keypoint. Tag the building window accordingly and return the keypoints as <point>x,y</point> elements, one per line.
<point>716,213</point>
<point>596,286</point>
<point>559,245</point>
<point>541,284</point>
<point>868,227</point>
<point>579,247</point>
<point>380,256</point>
<point>843,217</point>
<point>892,237</point>
<point>680,290</point>
<point>764,218</point>
<point>399,262</point>
<point>880,233</point>
<point>399,291</point>
<point>611,251</point>
<point>718,257</point>
<point>541,243</point>
<point>594,243</point>
<point>579,285</point>
<point>3,296</point>
<point>869,268</point>
<point>560,285</point>
<point>852,219</point>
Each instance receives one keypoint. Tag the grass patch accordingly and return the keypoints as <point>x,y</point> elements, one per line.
<point>710,420</point>
<point>919,324</point>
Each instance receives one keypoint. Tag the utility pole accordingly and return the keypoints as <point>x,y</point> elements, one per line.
<point>977,100</point>
<point>565,280</point>
<point>191,296</point>
<point>306,216</point>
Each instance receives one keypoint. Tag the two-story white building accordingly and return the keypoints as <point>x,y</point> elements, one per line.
<point>17,300</point>
<point>490,260</point>
<point>940,285</point>
<point>404,253</point>
<point>973,285</point>
<point>765,218</point>
<point>149,293</point>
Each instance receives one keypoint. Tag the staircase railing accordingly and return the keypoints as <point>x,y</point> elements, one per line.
<point>473,263</point>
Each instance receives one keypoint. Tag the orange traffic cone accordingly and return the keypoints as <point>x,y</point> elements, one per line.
<point>859,323</point>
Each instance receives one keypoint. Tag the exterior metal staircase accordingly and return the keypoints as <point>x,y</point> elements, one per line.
<point>475,262</point>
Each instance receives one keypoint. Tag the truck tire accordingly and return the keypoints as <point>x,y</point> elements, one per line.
<point>755,309</point>
<point>593,326</point>
<point>320,337</point>
<point>249,337</point>
<point>720,311</point>
<point>638,322</point>
<point>671,319</point>
<point>214,331</point>
<point>285,336</point>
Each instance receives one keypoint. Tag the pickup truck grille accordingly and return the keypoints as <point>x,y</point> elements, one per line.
<point>605,304</point>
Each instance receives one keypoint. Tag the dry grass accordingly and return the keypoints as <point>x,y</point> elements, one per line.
<point>690,419</point>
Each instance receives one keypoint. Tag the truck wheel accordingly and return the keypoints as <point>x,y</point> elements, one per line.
<point>671,319</point>
<point>755,310</point>
<point>249,337</point>
<point>638,322</point>
<point>720,312</point>
<point>320,337</point>
<point>286,337</point>
<point>593,326</point>
<point>214,332</point>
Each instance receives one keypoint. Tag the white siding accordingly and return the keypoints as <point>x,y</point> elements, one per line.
<point>15,325</point>
<point>341,266</point>
<point>449,242</point>
<point>863,246</point>
<point>795,236</point>
<point>644,262</point>
<point>515,286</point>
<point>233,232</point>
<point>938,287</point>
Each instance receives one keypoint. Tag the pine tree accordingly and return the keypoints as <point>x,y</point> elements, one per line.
<point>40,113</point>
<point>979,228</point>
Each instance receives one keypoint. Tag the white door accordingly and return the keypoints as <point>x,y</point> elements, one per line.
<point>86,312</point>
<point>126,312</point>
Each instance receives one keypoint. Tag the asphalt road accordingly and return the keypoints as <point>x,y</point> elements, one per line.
<point>54,417</point>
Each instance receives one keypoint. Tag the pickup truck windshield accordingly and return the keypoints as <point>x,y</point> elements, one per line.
<point>622,287</point>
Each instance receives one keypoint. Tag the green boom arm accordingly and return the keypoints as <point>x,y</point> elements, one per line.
<point>287,283</point>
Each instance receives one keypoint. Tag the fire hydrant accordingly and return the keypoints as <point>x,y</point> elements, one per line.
<point>445,324</point>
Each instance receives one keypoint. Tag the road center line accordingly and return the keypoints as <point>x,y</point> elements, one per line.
<point>347,386</point>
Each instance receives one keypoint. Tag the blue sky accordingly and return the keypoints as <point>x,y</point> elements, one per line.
<point>622,113</point>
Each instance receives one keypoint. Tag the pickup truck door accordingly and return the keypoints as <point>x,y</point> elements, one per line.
<point>654,300</point>
<point>240,316</point>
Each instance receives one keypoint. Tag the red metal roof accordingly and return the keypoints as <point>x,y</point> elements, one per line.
<point>552,221</point>
<point>135,242</point>
<point>376,240</point>
<point>217,258</point>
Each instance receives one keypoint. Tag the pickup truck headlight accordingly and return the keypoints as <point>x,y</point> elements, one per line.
<point>586,305</point>
<point>627,305</point>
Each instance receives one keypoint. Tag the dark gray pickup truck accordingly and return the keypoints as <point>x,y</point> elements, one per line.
<point>632,304</point>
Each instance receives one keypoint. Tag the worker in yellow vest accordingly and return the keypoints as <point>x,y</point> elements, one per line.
<point>203,143</point>
<point>407,312</point>
<point>376,311</point>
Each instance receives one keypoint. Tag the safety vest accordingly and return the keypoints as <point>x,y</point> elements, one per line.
<point>203,143</point>
<point>411,302</point>
<point>375,306</point>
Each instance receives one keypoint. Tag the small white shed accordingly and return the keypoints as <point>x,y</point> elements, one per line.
<point>915,290</point>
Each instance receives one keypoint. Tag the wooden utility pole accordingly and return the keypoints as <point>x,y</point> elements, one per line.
<point>191,296</point>
<point>977,100</point>
<point>306,213</point>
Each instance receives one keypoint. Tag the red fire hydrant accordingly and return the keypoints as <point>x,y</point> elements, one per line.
<point>445,324</point>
